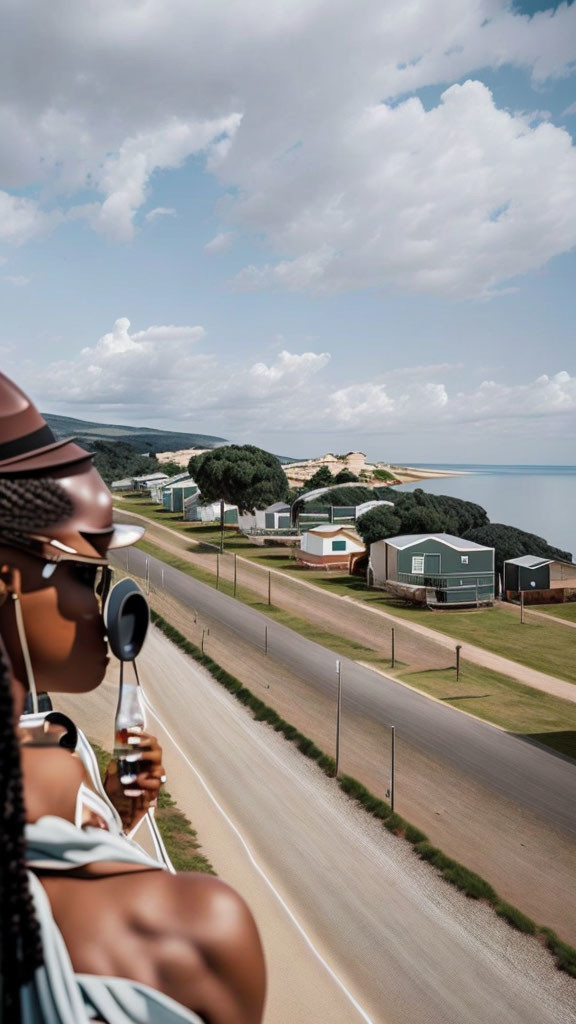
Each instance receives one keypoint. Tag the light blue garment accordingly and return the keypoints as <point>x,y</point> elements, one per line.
<point>56,995</point>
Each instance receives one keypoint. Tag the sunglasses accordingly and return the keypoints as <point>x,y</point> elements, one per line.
<point>95,573</point>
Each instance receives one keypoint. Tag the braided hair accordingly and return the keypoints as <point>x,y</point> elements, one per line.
<point>21,948</point>
<point>29,504</point>
<point>26,505</point>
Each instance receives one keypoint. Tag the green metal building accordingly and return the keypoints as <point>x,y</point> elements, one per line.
<point>434,569</point>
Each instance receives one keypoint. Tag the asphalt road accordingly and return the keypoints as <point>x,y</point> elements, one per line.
<point>405,946</point>
<point>523,772</point>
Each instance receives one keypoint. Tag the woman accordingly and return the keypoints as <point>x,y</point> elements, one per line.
<point>142,944</point>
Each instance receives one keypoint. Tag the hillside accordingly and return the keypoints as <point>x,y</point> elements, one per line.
<point>143,439</point>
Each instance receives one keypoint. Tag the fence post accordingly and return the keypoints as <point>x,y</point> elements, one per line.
<point>221,525</point>
<point>521,606</point>
<point>217,571</point>
<point>269,587</point>
<point>235,573</point>
<point>265,639</point>
<point>205,632</point>
<point>393,652</point>
<point>458,649</point>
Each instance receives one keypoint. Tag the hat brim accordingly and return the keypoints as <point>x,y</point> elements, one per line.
<point>124,534</point>
<point>52,456</point>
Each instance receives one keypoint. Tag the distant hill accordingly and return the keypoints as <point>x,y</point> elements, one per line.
<point>143,439</point>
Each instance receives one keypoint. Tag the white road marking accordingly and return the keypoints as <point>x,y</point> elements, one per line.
<point>256,865</point>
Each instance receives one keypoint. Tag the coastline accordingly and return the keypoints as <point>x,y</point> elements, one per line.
<point>410,474</point>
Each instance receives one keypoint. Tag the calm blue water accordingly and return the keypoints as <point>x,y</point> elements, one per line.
<point>540,499</point>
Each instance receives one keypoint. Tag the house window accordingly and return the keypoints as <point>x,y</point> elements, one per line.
<point>338,545</point>
<point>417,564</point>
<point>464,559</point>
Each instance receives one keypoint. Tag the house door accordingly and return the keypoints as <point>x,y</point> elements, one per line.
<point>431,565</point>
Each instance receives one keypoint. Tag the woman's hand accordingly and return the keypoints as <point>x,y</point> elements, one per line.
<point>132,795</point>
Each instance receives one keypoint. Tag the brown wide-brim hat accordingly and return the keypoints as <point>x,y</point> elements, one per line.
<point>29,449</point>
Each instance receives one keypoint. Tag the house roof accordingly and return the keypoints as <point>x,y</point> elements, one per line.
<point>334,531</point>
<point>459,543</point>
<point>535,561</point>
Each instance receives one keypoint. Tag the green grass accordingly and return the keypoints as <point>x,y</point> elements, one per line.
<point>547,647</point>
<point>180,838</point>
<point>468,882</point>
<point>566,610</point>
<point>505,702</point>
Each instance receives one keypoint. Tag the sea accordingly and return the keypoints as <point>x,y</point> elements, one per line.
<point>540,499</point>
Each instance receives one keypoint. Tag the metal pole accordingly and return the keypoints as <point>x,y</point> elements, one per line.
<point>458,649</point>
<point>269,587</point>
<point>393,659</point>
<point>205,632</point>
<point>235,574</point>
<point>265,639</point>
<point>162,577</point>
<point>147,576</point>
<point>392,766</point>
<point>221,525</point>
<point>217,571</point>
<point>338,714</point>
<point>521,606</point>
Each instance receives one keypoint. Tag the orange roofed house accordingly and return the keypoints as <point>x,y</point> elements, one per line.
<point>329,547</point>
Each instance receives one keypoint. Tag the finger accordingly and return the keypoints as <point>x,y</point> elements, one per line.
<point>148,785</point>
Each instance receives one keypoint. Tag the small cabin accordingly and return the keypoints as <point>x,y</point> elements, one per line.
<point>195,511</point>
<point>433,569</point>
<point>540,580</point>
<point>329,547</point>
<point>174,495</point>
<point>275,517</point>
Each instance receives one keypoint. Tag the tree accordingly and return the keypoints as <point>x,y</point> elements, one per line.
<point>345,476</point>
<point>378,523</point>
<point>322,478</point>
<point>115,460</point>
<point>242,475</point>
<point>171,468</point>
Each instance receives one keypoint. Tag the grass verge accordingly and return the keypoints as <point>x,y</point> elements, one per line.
<point>468,882</point>
<point>496,698</point>
<point>180,838</point>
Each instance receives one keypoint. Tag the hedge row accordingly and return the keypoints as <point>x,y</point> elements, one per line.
<point>465,880</point>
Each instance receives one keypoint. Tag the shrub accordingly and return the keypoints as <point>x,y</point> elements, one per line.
<point>515,917</point>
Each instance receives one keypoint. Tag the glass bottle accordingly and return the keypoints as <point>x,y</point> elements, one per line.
<point>130,720</point>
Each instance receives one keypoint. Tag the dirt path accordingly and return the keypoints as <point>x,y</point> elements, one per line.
<point>416,645</point>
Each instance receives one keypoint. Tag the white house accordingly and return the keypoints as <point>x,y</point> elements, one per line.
<point>275,517</point>
<point>329,547</point>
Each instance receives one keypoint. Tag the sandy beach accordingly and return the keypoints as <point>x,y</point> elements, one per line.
<point>408,474</point>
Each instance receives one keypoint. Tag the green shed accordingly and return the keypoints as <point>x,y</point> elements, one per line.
<point>434,569</point>
<point>541,580</point>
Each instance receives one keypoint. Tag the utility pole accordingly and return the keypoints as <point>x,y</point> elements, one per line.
<point>221,525</point>
<point>205,632</point>
<point>338,715</point>
<point>235,574</point>
<point>458,649</point>
<point>269,587</point>
<point>392,765</point>
<point>265,639</point>
<point>217,571</point>
<point>393,652</point>
<point>521,606</point>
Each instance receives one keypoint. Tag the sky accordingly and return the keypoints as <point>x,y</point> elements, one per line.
<point>310,225</point>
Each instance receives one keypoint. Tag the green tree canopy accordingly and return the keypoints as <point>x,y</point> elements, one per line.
<point>510,542</point>
<point>115,460</point>
<point>345,476</point>
<point>242,475</point>
<point>380,522</point>
<point>420,512</point>
<point>322,478</point>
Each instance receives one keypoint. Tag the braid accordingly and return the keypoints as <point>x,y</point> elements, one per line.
<point>21,948</point>
<point>32,503</point>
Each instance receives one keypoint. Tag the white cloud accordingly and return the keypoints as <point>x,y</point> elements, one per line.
<point>159,373</point>
<point>221,242</point>
<point>160,211</point>
<point>294,106</point>
<point>16,280</point>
